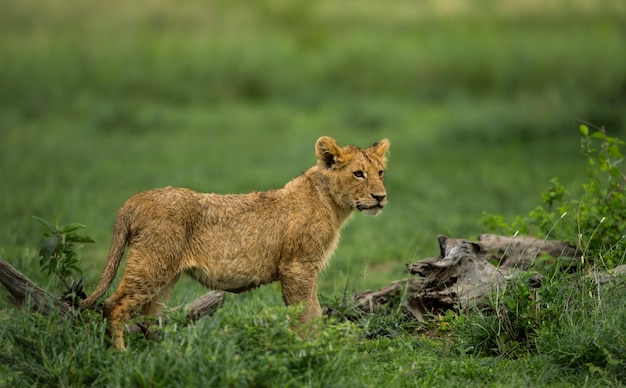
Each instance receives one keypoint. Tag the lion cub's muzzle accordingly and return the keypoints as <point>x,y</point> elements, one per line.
<point>373,205</point>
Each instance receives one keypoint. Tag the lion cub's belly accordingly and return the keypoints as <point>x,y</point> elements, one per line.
<point>231,276</point>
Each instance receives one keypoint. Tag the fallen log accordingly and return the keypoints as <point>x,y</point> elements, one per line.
<point>22,289</point>
<point>520,252</point>
<point>463,275</point>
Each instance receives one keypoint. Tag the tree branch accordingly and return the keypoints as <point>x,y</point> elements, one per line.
<point>22,289</point>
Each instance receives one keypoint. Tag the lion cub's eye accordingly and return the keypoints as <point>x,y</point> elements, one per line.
<point>381,173</point>
<point>358,174</point>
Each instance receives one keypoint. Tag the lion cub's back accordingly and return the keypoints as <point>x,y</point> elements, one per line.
<point>164,203</point>
<point>180,213</point>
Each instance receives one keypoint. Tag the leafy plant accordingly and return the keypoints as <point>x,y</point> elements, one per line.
<point>59,252</point>
<point>596,221</point>
<point>601,212</point>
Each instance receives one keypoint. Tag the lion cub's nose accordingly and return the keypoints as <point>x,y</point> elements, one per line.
<point>379,197</point>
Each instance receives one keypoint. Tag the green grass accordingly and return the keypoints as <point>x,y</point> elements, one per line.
<point>100,101</point>
<point>262,350</point>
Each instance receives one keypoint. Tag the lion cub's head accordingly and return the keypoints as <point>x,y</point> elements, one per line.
<point>356,176</point>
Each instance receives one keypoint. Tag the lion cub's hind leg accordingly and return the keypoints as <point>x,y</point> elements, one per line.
<point>154,306</point>
<point>145,283</point>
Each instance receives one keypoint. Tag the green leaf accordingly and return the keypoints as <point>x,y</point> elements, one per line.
<point>598,135</point>
<point>604,166</point>
<point>76,238</point>
<point>48,247</point>
<point>47,224</point>
<point>614,151</point>
<point>583,129</point>
<point>76,269</point>
<point>83,239</point>
<point>71,227</point>
<point>52,266</point>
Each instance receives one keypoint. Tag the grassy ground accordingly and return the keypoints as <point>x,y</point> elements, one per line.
<point>100,101</point>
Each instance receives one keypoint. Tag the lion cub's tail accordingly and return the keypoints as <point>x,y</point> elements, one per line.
<point>121,232</point>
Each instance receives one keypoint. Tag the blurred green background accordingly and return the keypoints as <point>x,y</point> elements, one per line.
<point>100,100</point>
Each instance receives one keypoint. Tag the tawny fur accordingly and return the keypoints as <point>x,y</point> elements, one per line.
<point>239,242</point>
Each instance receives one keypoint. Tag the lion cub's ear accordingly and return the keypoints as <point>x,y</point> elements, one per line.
<point>380,149</point>
<point>328,151</point>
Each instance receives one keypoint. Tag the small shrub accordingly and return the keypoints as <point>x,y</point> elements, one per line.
<point>59,256</point>
<point>596,221</point>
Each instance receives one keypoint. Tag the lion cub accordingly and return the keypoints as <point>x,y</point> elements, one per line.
<point>239,242</point>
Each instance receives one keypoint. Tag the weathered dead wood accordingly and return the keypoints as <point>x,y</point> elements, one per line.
<point>204,305</point>
<point>459,277</point>
<point>520,251</point>
<point>371,301</point>
<point>605,277</point>
<point>463,275</point>
<point>21,289</point>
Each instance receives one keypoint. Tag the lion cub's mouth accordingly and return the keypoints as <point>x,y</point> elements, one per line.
<point>375,209</point>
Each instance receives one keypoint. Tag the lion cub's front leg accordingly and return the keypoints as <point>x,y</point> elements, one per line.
<point>300,286</point>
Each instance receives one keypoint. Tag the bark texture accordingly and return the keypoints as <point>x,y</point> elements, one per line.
<point>465,274</point>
